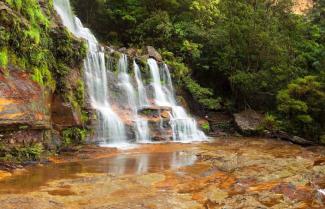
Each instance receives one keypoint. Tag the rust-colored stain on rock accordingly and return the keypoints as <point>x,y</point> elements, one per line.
<point>22,101</point>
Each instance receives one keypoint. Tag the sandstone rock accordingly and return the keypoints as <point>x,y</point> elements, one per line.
<point>165,114</point>
<point>155,111</point>
<point>4,174</point>
<point>23,102</point>
<point>216,195</point>
<point>63,115</point>
<point>27,136</point>
<point>132,52</point>
<point>248,121</point>
<point>152,52</point>
<point>150,179</point>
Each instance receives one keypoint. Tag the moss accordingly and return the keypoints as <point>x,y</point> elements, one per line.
<point>205,127</point>
<point>116,55</point>
<point>74,136</point>
<point>4,37</point>
<point>67,49</point>
<point>3,58</point>
<point>33,34</point>
<point>84,116</point>
<point>80,92</point>
<point>21,154</point>
<point>36,47</point>
<point>43,77</point>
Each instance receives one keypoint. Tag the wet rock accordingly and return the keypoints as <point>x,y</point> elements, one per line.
<point>23,102</point>
<point>152,52</point>
<point>155,111</point>
<point>64,115</point>
<point>243,201</point>
<point>319,169</point>
<point>132,52</point>
<point>220,122</point>
<point>150,179</point>
<point>295,139</point>
<point>216,195</point>
<point>248,121</point>
<point>4,174</point>
<point>25,137</point>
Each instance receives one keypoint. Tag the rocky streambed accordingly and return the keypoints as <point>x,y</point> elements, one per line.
<point>224,173</point>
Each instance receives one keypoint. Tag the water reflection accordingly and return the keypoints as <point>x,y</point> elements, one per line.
<point>119,165</point>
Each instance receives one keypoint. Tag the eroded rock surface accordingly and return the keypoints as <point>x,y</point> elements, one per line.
<point>248,121</point>
<point>227,173</point>
<point>23,102</point>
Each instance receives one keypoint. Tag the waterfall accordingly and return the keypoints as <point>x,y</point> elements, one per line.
<point>141,126</point>
<point>160,96</point>
<point>142,94</point>
<point>110,128</point>
<point>184,127</point>
<point>125,83</point>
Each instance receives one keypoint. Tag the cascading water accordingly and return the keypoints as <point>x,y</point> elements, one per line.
<point>125,83</point>
<point>142,94</point>
<point>161,98</point>
<point>141,126</point>
<point>110,129</point>
<point>184,127</point>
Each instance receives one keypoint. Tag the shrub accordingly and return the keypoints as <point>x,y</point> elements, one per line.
<point>74,136</point>
<point>270,123</point>
<point>3,58</point>
<point>203,96</point>
<point>301,106</point>
<point>205,127</point>
<point>21,154</point>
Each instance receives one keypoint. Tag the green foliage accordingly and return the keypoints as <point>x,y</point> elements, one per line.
<point>80,92</point>
<point>301,106</point>
<point>74,136</point>
<point>44,77</point>
<point>36,47</point>
<point>202,95</point>
<point>3,58</point>
<point>270,123</point>
<point>21,154</point>
<point>205,127</point>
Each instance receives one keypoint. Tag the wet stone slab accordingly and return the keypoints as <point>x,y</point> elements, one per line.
<point>226,173</point>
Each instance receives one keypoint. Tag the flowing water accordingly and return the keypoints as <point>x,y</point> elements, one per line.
<point>142,93</point>
<point>184,127</point>
<point>110,128</point>
<point>114,115</point>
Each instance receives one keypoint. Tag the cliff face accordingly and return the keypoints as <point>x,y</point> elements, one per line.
<point>41,78</point>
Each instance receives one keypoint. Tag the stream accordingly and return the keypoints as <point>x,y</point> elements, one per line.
<point>224,173</point>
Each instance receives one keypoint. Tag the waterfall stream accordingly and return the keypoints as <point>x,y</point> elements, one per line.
<point>184,127</point>
<point>110,128</point>
<point>114,116</point>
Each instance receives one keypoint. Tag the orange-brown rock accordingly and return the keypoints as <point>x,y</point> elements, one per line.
<point>23,102</point>
<point>64,115</point>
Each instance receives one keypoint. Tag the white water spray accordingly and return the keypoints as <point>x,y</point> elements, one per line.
<point>184,127</point>
<point>142,94</point>
<point>110,129</point>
